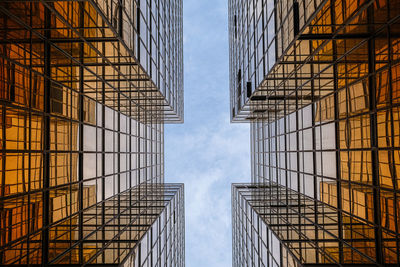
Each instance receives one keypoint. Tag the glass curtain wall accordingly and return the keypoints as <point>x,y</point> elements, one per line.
<point>324,126</point>
<point>85,89</point>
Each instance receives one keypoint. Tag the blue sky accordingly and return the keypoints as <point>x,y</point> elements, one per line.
<point>207,153</point>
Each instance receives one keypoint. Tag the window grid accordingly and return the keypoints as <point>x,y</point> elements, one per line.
<point>324,128</point>
<point>82,121</point>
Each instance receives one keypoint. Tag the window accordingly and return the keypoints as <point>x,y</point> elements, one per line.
<point>56,98</point>
<point>7,81</point>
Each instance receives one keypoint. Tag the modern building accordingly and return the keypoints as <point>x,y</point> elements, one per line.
<point>85,89</point>
<point>319,83</point>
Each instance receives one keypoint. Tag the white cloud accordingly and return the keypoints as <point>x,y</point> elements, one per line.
<point>208,159</point>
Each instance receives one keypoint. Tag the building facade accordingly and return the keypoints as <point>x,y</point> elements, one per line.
<point>318,80</point>
<point>85,90</point>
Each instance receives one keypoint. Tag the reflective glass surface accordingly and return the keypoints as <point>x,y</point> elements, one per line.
<point>324,129</point>
<point>85,90</point>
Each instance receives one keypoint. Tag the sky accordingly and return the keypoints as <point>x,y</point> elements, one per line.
<point>207,152</point>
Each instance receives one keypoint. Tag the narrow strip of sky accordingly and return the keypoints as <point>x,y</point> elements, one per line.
<point>207,153</point>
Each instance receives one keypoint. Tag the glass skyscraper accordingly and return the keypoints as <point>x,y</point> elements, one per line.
<point>319,82</point>
<point>85,89</point>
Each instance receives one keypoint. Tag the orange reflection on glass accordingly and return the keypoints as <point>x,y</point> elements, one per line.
<point>325,109</point>
<point>395,83</point>
<point>390,252</point>
<point>17,83</point>
<point>384,128</point>
<point>358,201</point>
<point>355,133</point>
<point>382,88</point>
<point>22,170</point>
<point>360,236</point>
<point>386,171</point>
<point>19,217</point>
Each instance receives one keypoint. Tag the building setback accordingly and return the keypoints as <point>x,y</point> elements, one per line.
<point>319,82</point>
<point>85,89</point>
